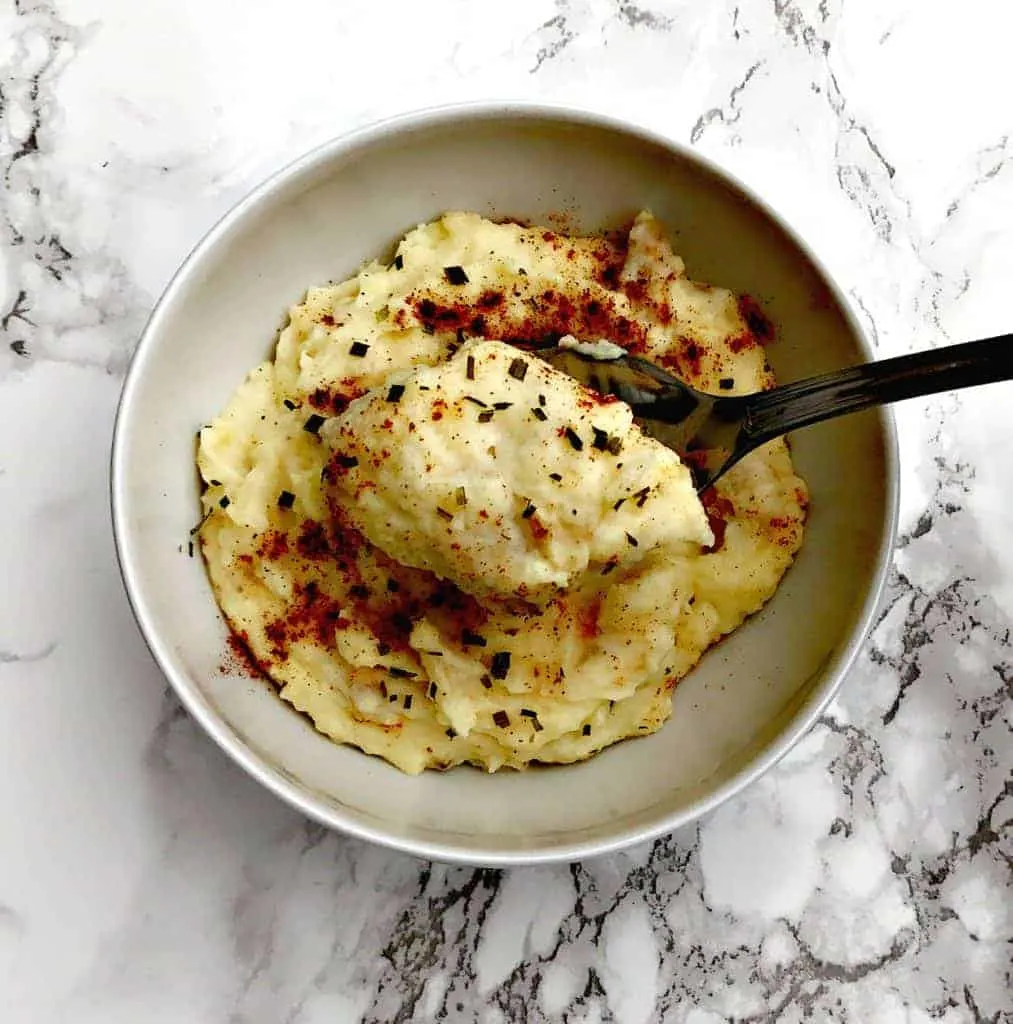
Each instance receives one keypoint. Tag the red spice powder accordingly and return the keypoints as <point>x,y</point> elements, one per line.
<point>719,510</point>
<point>595,399</point>
<point>336,399</point>
<point>587,618</point>
<point>313,542</point>
<point>544,320</point>
<point>756,320</point>
<point>273,545</point>
<point>538,529</point>
<point>313,615</point>
<point>242,657</point>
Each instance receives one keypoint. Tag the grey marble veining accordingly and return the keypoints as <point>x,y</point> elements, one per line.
<point>144,878</point>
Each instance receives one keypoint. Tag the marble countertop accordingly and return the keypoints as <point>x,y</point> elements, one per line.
<point>143,877</point>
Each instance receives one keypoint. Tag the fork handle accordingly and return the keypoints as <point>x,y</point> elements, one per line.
<point>773,413</point>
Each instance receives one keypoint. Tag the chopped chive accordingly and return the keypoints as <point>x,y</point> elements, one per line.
<point>528,713</point>
<point>574,439</point>
<point>556,476</point>
<point>484,417</point>
<point>518,369</point>
<point>541,399</point>
<point>443,513</point>
<point>455,275</point>
<point>189,548</point>
<point>472,639</point>
<point>470,369</point>
<point>400,673</point>
<point>432,691</point>
<point>358,349</point>
<point>500,406</point>
<point>408,702</point>
<point>487,682</point>
<point>461,496</point>
<point>539,414</point>
<point>586,731</point>
<point>383,649</point>
<point>608,567</point>
<point>224,501</point>
<point>618,505</point>
<point>398,262</point>
<point>286,499</point>
<point>500,665</point>
<point>346,461</point>
<point>726,383</point>
<point>601,439</point>
<point>313,424</point>
<point>395,392</point>
<point>392,698</point>
<point>529,511</point>
<point>289,404</point>
<point>615,445</point>
<point>476,401</point>
<point>451,734</point>
<point>641,496</point>
<point>501,718</point>
<point>215,483</point>
<point>632,541</point>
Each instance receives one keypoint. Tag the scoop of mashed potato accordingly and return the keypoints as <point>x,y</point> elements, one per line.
<point>508,477</point>
<point>443,550</point>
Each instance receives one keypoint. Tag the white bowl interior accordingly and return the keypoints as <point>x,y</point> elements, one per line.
<point>750,697</point>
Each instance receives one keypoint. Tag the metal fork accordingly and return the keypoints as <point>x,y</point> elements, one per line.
<point>713,432</point>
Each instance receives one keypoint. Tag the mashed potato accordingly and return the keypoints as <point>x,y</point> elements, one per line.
<point>507,477</point>
<point>443,550</point>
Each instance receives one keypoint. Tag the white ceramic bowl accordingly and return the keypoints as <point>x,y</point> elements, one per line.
<point>749,700</point>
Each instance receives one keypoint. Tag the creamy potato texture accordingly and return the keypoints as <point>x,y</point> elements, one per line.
<point>443,550</point>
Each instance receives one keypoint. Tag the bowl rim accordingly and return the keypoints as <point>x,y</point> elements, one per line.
<point>266,774</point>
